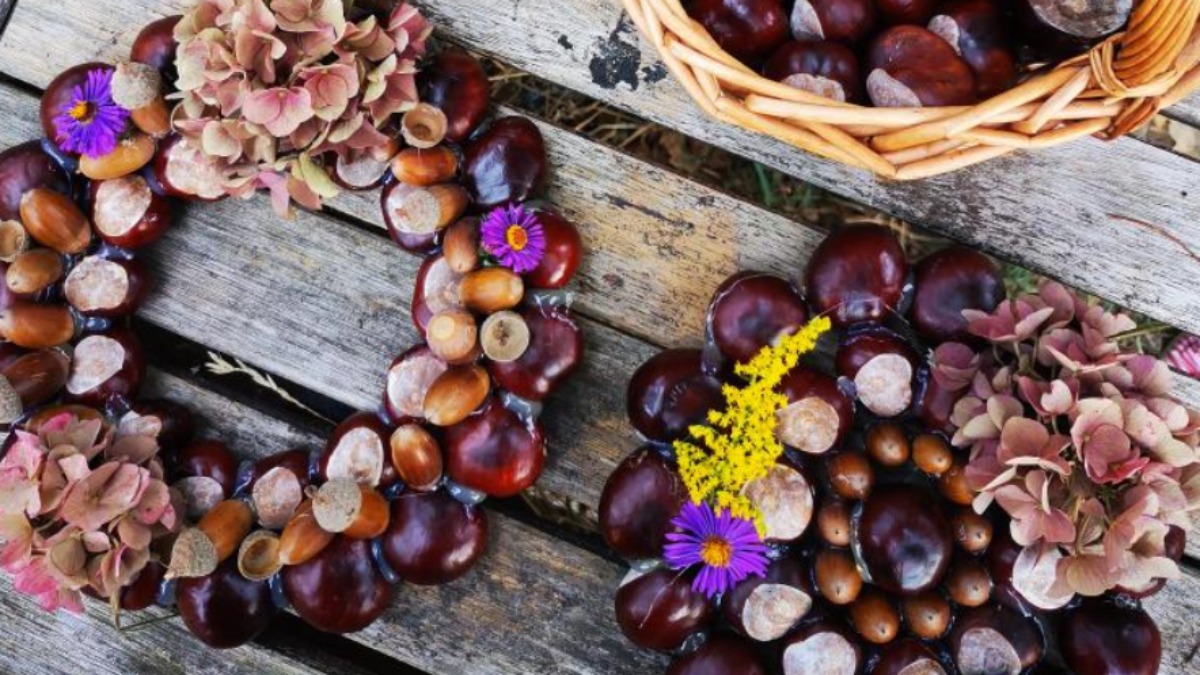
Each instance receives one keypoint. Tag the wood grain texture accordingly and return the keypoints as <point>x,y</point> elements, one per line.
<point>1187,110</point>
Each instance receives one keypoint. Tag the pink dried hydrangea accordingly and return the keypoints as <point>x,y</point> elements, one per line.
<point>271,90</point>
<point>79,507</point>
<point>1076,439</point>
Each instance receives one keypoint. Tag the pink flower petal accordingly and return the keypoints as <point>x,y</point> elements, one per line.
<point>280,110</point>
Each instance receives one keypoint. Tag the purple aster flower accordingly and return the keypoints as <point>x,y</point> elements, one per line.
<point>514,237</point>
<point>728,549</point>
<point>91,123</point>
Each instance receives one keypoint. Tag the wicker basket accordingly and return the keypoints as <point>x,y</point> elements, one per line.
<point>1115,88</point>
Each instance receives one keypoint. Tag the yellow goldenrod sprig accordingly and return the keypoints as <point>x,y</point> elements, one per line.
<point>739,444</point>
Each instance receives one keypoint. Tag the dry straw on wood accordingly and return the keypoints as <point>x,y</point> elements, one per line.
<point>1108,92</point>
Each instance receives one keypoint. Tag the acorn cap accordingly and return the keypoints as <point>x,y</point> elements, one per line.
<point>11,407</point>
<point>135,85</point>
<point>193,555</point>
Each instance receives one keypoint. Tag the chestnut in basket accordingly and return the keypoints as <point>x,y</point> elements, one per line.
<point>224,609</point>
<point>1056,29</point>
<point>109,287</point>
<point>495,451</point>
<point>59,92</point>
<point>825,647</point>
<point>639,500</point>
<point>127,213</point>
<point>750,310</point>
<point>721,655</point>
<point>433,538</point>
<point>455,82</point>
<point>555,351</point>
<point>823,68</point>
<point>905,544</point>
<point>894,12</point>
<point>911,67</point>
<point>766,608</point>
<point>747,29</point>
<point>660,610</point>
<point>506,163</point>
<point>1102,636</point>
<point>845,21</point>
<point>22,168</point>
<point>857,274</point>
<point>104,366</point>
<point>671,392</point>
<point>408,381</point>
<point>340,590</point>
<point>978,30</point>
<point>818,413</point>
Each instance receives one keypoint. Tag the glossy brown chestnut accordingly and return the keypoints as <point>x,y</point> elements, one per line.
<point>59,92</point>
<point>169,422</point>
<point>905,541</point>
<point>883,367</point>
<point>127,213</point>
<point>972,532</point>
<point>825,647</point>
<point>104,366</point>
<point>1056,29</point>
<point>968,582</point>
<point>109,287</point>
<point>22,168</point>
<point>495,451</point>
<point>911,67</point>
<point>784,497</point>
<point>843,21</point>
<point>818,413</point>
<point>669,393</point>
<point>927,614</point>
<point>850,475</point>
<point>155,46</point>
<point>433,538</point>
<point>408,381</point>
<point>224,609</point>
<point>357,449</point>
<point>979,31</point>
<point>1100,637</point>
<point>907,657</point>
<point>833,522</point>
<point>639,500</point>
<point>340,590</point>
<point>185,172</point>
<point>564,251</point>
<point>836,576</point>
<point>995,639</point>
<point>721,655</point>
<point>894,12</point>
<point>659,610</point>
<point>455,82</point>
<point>435,291</point>
<point>554,353</point>
<point>948,281</point>
<point>888,445</point>
<point>142,592</point>
<point>932,454</point>
<point>750,310</point>
<point>747,29</point>
<point>506,163</point>
<point>276,484</point>
<point>823,68</point>
<point>765,608</point>
<point>208,459</point>
<point>856,274</point>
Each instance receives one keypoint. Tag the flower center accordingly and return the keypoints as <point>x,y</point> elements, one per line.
<point>81,111</point>
<point>716,552</point>
<point>516,237</point>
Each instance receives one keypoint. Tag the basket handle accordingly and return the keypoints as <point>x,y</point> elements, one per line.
<point>1163,39</point>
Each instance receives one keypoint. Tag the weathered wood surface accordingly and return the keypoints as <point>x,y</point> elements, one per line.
<point>1187,110</point>
<point>534,604</point>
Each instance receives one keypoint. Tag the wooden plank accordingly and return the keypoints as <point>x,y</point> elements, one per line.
<point>1186,111</point>
<point>534,604</point>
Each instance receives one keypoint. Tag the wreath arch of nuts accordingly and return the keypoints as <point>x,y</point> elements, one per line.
<point>127,505</point>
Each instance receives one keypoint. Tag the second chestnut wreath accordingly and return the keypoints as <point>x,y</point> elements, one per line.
<point>107,495</point>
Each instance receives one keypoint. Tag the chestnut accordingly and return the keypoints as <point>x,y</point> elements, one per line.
<point>357,449</point>
<point>142,592</point>
<point>127,213</point>
<point>857,274</point>
<point>660,610</point>
<point>932,454</point>
<point>1102,636</point>
<point>837,576</point>
<point>948,281</point>
<point>911,67</point>
<point>907,657</point>
<point>721,655</point>
<point>563,253</point>
<point>820,67</point>
<point>105,366</point>
<point>818,413</point>
<point>968,583</point>
<point>850,475</point>
<point>435,291</point>
<point>905,544</point>
<point>750,310</point>
<point>906,11</point>
<point>833,522</point>
<point>506,163</point>
<point>995,639</point>
<point>935,401</point>
<point>641,497</point>
<point>555,351</point>
<point>155,46</point>
<point>59,93</point>
<point>972,532</point>
<point>784,497</point>
<point>494,451</point>
<point>821,648</point>
<point>433,538</point>
<point>34,326</point>
<point>888,445</point>
<point>408,381</point>
<point>1057,29</point>
<point>875,617</point>
<point>276,485</point>
<point>747,29</point>
<point>212,460</point>
<point>765,608</point>
<point>883,367</point>
<point>978,30</point>
<point>108,287</point>
<point>340,590</point>
<point>844,21</point>
<point>224,609</point>
<point>670,392</point>
<point>926,614</point>
<point>415,215</point>
<point>363,171</point>
<point>185,172</point>
<point>455,82</point>
<point>31,380</point>
<point>22,168</point>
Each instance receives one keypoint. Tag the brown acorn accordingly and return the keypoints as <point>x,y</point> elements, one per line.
<point>455,394</point>
<point>34,326</point>
<point>416,456</point>
<point>344,507</point>
<point>34,271</point>
<point>199,550</point>
<point>460,246</point>
<point>302,537</point>
<point>491,289</point>
<point>130,155</point>
<point>53,220</point>
<point>258,556</point>
<point>31,380</point>
<point>425,167</point>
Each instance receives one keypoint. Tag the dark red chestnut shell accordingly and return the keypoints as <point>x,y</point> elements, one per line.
<point>127,213</point>
<point>759,607</point>
<point>721,655</point>
<point>883,367</point>
<point>925,66</point>
<point>905,541</point>
<point>90,298</point>
<point>171,423</point>
<point>495,451</point>
<point>1019,631</point>
<point>845,21</point>
<point>750,310</point>
<point>895,12</point>
<point>22,168</point>
<point>358,449</point>
<point>826,646</point>
<point>1100,637</point>
<point>800,385</point>
<point>142,592</point>
<point>554,353</point>
<point>506,163</point>
<point>208,459</point>
<point>59,93</point>
<point>340,590</point>
<point>824,63</point>
<point>659,610</point>
<point>564,252</point>
<point>99,372</point>
<point>172,150</point>
<point>907,653</point>
<point>857,274</point>
<point>948,281</point>
<point>639,500</point>
<point>747,29</point>
<point>669,393</point>
<point>979,31</point>
<point>432,538</point>
<point>455,82</point>
<point>408,380</point>
<point>155,46</point>
<point>224,609</point>
<point>435,290</point>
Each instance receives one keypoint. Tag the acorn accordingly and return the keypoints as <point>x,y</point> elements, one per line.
<point>416,456</point>
<point>258,556</point>
<point>460,245</point>
<point>850,475</point>
<point>837,576</point>
<point>34,271</point>
<point>887,445</point>
<point>424,126</point>
<point>137,87</point>
<point>198,551</point>
<point>504,336</point>
<point>968,582</point>
<point>972,532</point>
<point>833,522</point>
<point>302,538</point>
<point>130,155</point>
<point>927,614</point>
<point>491,289</point>
<point>953,484</point>
<point>456,393</point>
<point>53,220</point>
<point>31,380</point>
<point>14,240</point>
<point>931,454</point>
<point>874,617</point>
<point>453,336</point>
<point>343,506</point>
<point>425,167</point>
<point>34,326</point>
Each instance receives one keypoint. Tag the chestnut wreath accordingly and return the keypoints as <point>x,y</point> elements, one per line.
<point>394,495</point>
<point>878,564</point>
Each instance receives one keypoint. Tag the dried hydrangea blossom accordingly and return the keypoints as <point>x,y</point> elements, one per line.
<point>1075,438</point>
<point>272,90</point>
<point>80,505</point>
